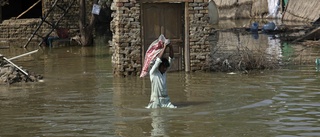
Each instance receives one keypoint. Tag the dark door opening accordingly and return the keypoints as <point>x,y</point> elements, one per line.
<point>16,7</point>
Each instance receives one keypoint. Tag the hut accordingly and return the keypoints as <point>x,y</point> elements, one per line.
<point>188,23</point>
<point>136,24</point>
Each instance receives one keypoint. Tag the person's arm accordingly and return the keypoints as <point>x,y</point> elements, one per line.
<point>171,54</point>
<point>155,65</point>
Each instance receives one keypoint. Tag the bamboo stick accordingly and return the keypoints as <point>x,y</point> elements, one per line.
<point>16,66</point>
<point>308,34</point>
<point>31,52</point>
<point>186,38</point>
<point>28,9</point>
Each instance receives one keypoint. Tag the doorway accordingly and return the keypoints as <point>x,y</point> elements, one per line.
<point>166,19</point>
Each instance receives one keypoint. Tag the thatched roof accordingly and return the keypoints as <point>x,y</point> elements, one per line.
<point>242,8</point>
<point>230,3</point>
<point>302,10</point>
<point>225,3</point>
<point>259,8</point>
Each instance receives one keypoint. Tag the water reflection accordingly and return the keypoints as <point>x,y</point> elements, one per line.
<point>274,50</point>
<point>295,104</point>
<point>159,123</point>
<point>80,97</point>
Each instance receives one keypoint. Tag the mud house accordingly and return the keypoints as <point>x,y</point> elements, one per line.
<point>137,23</point>
<point>188,23</point>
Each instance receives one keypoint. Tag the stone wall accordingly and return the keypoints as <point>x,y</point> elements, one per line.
<point>198,35</point>
<point>127,41</point>
<point>17,29</point>
<point>70,20</point>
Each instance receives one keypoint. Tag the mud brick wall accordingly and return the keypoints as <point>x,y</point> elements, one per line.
<point>198,35</point>
<point>70,20</point>
<point>21,29</point>
<point>127,41</point>
<point>17,29</point>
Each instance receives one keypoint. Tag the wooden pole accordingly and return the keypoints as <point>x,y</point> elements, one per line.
<point>285,10</point>
<point>16,66</point>
<point>314,31</point>
<point>28,9</point>
<point>186,38</point>
<point>25,54</point>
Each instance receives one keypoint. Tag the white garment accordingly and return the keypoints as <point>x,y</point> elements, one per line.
<point>159,93</point>
<point>273,6</point>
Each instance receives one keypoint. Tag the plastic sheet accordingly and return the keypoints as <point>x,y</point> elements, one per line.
<point>152,52</point>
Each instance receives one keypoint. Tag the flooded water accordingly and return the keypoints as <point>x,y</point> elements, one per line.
<point>80,97</point>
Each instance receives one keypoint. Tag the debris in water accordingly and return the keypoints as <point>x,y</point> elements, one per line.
<point>11,73</point>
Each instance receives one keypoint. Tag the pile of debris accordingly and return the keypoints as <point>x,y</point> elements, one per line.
<point>11,73</point>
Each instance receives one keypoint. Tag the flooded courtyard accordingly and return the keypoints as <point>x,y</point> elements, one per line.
<point>80,97</point>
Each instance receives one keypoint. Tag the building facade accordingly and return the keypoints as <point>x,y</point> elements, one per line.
<point>136,24</point>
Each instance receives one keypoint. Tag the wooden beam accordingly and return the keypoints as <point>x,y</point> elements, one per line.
<point>16,66</point>
<point>28,9</point>
<point>186,38</point>
<point>314,32</point>
<point>25,54</point>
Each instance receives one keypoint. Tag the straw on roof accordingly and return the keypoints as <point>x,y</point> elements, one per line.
<point>302,10</point>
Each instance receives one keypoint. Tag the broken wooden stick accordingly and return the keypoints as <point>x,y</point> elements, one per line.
<point>16,66</point>
<point>28,9</point>
<point>25,54</point>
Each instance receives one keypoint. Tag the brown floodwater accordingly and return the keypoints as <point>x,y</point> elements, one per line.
<point>80,97</point>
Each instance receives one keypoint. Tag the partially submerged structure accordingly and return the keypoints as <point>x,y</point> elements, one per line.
<point>11,73</point>
<point>188,23</point>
